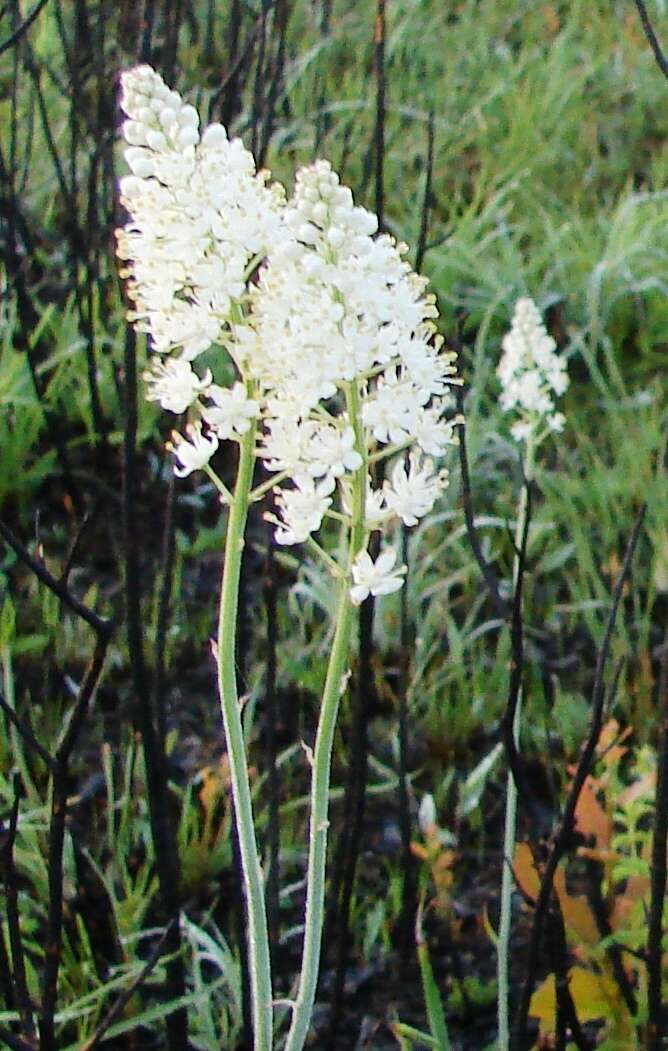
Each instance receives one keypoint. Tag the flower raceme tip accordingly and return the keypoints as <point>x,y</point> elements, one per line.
<point>532,374</point>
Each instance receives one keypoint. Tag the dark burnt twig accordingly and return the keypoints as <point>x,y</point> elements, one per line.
<point>565,828</point>
<point>60,772</point>
<point>164,611</point>
<point>379,128</point>
<point>426,197</point>
<point>162,830</point>
<point>146,24</point>
<point>489,576</point>
<point>6,986</point>
<point>567,1017</point>
<point>271,720</point>
<point>73,549</point>
<point>98,1036</point>
<point>598,907</point>
<point>406,922</point>
<point>230,85</point>
<point>173,17</point>
<point>23,28</point>
<point>36,349</point>
<point>281,16</point>
<point>26,733</point>
<point>323,119</point>
<point>79,243</point>
<point>100,626</point>
<point>655,1020</point>
<point>11,882</point>
<point>257,107</point>
<point>517,661</point>
<point>648,28</point>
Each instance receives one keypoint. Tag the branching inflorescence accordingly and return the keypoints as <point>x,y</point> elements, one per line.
<point>325,360</point>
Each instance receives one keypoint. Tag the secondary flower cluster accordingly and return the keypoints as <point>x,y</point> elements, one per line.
<point>532,374</point>
<point>341,326</point>
<point>338,360</point>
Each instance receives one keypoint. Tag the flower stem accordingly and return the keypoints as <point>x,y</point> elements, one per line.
<point>335,683</point>
<point>507,881</point>
<point>258,940</point>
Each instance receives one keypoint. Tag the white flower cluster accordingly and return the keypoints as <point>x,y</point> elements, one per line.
<point>336,306</point>
<point>335,345</point>
<point>532,374</point>
<point>198,215</point>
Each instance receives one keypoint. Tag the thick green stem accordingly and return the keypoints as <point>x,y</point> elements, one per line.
<point>335,684</point>
<point>507,881</point>
<point>258,939</point>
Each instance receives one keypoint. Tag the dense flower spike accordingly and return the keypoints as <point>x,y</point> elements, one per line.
<point>174,385</point>
<point>531,374</point>
<point>198,215</point>
<point>336,307</point>
<point>335,346</point>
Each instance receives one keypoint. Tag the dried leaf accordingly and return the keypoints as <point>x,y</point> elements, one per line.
<point>526,874</point>
<point>594,996</point>
<point>579,919</point>
<point>590,817</point>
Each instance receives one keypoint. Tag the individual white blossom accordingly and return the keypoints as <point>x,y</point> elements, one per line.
<point>532,374</point>
<point>174,385</point>
<point>375,578</point>
<point>191,453</point>
<point>433,431</point>
<point>332,452</point>
<point>412,494</point>
<point>302,510</point>
<point>232,411</point>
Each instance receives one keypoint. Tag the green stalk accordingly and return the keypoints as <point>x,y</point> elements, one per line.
<point>507,881</point>
<point>258,939</point>
<point>335,684</point>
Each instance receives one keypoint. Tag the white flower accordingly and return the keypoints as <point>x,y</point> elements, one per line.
<point>411,495</point>
<point>174,385</point>
<point>302,510</point>
<point>531,373</point>
<point>433,432</point>
<point>391,410</point>
<point>286,441</point>
<point>332,452</point>
<point>232,411</point>
<point>192,453</point>
<point>375,578</point>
